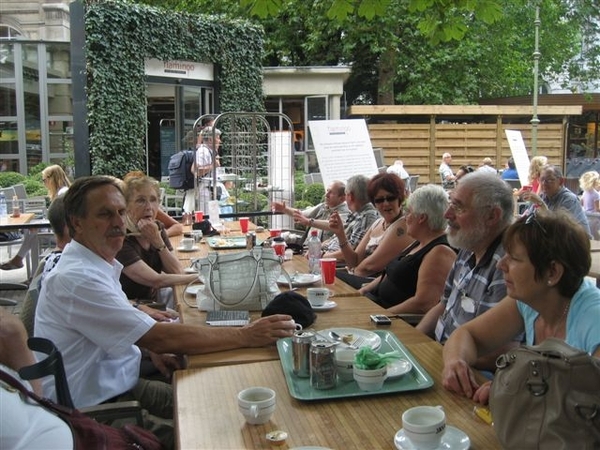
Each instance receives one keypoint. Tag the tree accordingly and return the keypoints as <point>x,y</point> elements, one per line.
<point>418,52</point>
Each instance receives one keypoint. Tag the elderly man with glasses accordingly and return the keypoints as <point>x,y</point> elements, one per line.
<point>480,210</point>
<point>555,196</point>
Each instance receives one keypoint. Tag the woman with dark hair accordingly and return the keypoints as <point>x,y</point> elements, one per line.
<point>462,171</point>
<point>384,240</point>
<point>547,297</point>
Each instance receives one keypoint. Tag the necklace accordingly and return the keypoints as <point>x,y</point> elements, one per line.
<point>562,318</point>
<point>386,225</point>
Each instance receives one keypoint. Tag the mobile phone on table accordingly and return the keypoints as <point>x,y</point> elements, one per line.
<point>380,319</point>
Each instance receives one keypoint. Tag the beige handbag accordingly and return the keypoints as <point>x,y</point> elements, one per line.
<point>244,280</point>
<point>547,396</point>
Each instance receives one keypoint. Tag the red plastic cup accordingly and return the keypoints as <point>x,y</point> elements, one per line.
<point>328,270</point>
<point>275,232</point>
<point>279,248</point>
<point>199,216</point>
<point>244,224</point>
<point>526,188</point>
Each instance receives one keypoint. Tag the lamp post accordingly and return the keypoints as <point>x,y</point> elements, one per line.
<point>536,59</point>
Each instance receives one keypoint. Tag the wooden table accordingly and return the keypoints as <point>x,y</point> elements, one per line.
<point>350,312</point>
<point>206,413</point>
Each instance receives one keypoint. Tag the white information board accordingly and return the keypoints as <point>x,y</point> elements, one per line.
<point>343,149</point>
<point>519,154</point>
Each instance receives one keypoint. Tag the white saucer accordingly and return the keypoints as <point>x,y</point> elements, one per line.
<point>325,306</point>
<point>397,368</point>
<point>193,289</point>
<point>195,248</point>
<point>453,439</point>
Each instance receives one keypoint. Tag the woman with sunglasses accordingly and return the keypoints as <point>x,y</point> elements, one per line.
<point>547,297</point>
<point>383,241</point>
<point>414,281</point>
<point>56,181</point>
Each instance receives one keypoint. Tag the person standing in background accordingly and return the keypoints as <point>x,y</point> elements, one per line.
<point>446,173</point>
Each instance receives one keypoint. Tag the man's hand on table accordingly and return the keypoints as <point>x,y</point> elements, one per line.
<point>267,330</point>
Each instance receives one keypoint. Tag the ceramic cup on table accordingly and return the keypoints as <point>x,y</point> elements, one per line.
<point>370,380</point>
<point>424,426</point>
<point>187,243</point>
<point>257,404</point>
<point>317,296</point>
<point>244,221</point>
<point>344,362</point>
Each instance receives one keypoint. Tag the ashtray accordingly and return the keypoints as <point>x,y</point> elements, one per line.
<point>277,437</point>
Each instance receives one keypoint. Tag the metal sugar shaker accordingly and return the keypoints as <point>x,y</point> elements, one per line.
<point>301,341</point>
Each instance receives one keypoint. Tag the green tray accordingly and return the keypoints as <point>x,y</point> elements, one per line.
<point>237,242</point>
<point>300,388</point>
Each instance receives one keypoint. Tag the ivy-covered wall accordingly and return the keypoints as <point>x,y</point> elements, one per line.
<point>120,36</point>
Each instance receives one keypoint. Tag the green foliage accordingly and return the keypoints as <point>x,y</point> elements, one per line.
<point>8,179</point>
<point>34,186</point>
<point>37,169</point>
<point>121,35</point>
<point>314,193</point>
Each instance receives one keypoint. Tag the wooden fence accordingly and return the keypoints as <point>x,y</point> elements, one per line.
<point>421,146</point>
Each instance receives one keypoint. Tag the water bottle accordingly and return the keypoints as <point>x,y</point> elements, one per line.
<point>3,208</point>
<point>314,253</point>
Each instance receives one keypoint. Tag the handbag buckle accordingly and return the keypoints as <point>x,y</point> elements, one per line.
<point>587,412</point>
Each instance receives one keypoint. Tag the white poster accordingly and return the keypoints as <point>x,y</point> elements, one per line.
<point>343,149</point>
<point>519,154</point>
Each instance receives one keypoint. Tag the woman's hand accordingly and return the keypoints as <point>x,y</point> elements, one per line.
<point>149,230</point>
<point>482,395</point>
<point>458,377</point>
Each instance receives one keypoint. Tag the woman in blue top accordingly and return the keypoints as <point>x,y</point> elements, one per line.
<point>547,258</point>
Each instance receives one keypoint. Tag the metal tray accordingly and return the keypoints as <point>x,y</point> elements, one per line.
<point>237,242</point>
<point>300,388</point>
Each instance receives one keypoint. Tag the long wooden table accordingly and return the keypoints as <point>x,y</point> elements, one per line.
<point>206,413</point>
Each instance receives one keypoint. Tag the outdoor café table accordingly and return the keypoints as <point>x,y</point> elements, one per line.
<point>207,416</point>
<point>350,312</point>
<point>24,221</point>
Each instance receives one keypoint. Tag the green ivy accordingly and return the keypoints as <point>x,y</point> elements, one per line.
<point>121,35</point>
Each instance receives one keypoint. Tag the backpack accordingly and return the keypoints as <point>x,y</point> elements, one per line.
<point>180,170</point>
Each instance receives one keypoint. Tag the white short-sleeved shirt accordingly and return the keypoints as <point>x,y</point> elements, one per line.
<point>27,425</point>
<point>84,311</point>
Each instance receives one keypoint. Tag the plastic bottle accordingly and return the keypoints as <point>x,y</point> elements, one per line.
<point>3,208</point>
<point>16,211</point>
<point>314,253</point>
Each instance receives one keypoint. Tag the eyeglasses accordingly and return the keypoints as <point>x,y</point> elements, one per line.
<point>458,208</point>
<point>531,218</point>
<point>547,180</point>
<point>389,199</point>
<point>44,179</point>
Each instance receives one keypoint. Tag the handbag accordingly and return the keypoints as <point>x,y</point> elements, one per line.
<point>239,281</point>
<point>547,396</point>
<point>87,433</point>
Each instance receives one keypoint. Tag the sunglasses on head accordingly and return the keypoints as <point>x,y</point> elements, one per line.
<point>531,219</point>
<point>389,199</point>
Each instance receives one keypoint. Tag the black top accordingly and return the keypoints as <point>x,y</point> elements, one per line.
<point>400,277</point>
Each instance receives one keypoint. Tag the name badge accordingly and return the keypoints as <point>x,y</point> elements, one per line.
<point>467,304</point>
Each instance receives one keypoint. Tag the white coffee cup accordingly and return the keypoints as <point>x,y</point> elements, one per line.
<point>187,243</point>
<point>344,362</point>
<point>317,296</point>
<point>424,426</point>
<point>257,404</point>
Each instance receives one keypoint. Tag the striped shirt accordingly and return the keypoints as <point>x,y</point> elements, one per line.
<point>471,289</point>
<point>355,228</point>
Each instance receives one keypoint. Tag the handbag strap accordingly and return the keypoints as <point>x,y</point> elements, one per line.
<point>214,279</point>
<point>46,403</point>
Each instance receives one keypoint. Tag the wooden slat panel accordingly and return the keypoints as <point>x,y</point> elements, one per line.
<point>458,110</point>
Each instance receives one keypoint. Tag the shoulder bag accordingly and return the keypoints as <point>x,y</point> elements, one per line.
<point>87,433</point>
<point>547,396</point>
<point>244,280</point>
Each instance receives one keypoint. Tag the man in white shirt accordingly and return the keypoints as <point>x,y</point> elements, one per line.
<point>207,160</point>
<point>84,311</point>
<point>445,171</point>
